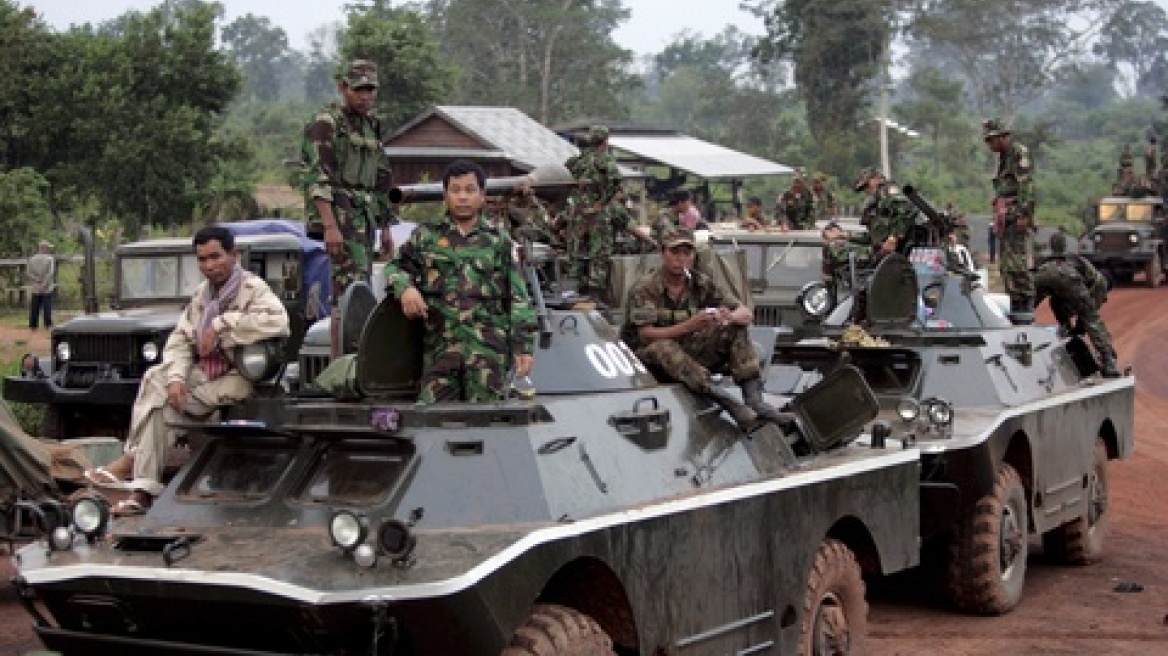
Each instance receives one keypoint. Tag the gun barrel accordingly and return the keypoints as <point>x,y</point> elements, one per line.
<point>549,182</point>
<point>923,205</point>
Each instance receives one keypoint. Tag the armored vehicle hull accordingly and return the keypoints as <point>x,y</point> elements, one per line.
<point>1014,427</point>
<point>633,516</point>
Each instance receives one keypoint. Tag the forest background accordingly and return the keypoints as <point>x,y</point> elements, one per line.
<point>158,120</point>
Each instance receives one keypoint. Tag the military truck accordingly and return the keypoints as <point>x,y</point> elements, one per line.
<point>1014,426</point>
<point>98,358</point>
<point>1126,236</point>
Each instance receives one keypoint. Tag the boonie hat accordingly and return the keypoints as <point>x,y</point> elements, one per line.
<point>993,128</point>
<point>674,236</point>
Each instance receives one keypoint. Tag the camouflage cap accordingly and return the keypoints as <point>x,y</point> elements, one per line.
<point>819,176</point>
<point>1058,243</point>
<point>598,134</point>
<point>675,235</point>
<point>993,128</point>
<point>359,73</point>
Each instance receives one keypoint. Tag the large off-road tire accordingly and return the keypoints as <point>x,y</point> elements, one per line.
<point>835,613</point>
<point>1080,542</point>
<point>987,557</point>
<point>553,630</point>
<point>1152,272</point>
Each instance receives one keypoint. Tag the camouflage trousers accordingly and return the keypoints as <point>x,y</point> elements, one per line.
<point>352,264</point>
<point>589,249</point>
<point>1014,247</point>
<point>1070,299</point>
<point>691,358</point>
<point>462,371</point>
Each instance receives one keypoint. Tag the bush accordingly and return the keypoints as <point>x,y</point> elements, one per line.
<point>29,416</point>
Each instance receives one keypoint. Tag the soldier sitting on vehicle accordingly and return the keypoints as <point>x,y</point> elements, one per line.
<point>684,326</point>
<point>197,376</point>
<point>1076,289</point>
<point>755,219</point>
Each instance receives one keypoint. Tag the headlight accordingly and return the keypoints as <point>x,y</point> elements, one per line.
<point>395,540</point>
<point>63,351</point>
<point>365,555</point>
<point>940,412</point>
<point>259,361</point>
<point>1133,238</point>
<point>150,351</point>
<point>908,410</point>
<point>348,529</point>
<point>61,539</point>
<point>815,300</point>
<point>90,516</point>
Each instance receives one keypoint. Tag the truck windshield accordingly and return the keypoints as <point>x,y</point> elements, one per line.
<point>1109,212</point>
<point>158,277</point>
<point>1139,212</point>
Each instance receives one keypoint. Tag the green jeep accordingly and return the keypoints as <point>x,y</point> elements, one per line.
<point>1126,235</point>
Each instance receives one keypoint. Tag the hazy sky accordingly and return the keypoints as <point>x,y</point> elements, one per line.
<point>651,26</point>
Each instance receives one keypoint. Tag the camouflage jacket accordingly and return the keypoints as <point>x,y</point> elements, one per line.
<point>824,203</point>
<point>837,254</point>
<point>797,209</point>
<point>1014,179</point>
<point>650,305</point>
<point>344,161</point>
<point>471,284</point>
<point>597,176</point>
<point>1063,275</point>
<point>890,213</point>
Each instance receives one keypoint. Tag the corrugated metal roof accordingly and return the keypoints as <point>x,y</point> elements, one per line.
<point>701,158</point>
<point>525,141</point>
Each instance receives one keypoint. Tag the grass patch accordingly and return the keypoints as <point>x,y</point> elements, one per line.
<point>29,416</point>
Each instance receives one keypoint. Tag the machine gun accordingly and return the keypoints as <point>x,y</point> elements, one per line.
<point>551,182</point>
<point>939,225</point>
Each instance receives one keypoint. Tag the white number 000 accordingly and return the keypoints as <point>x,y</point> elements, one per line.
<point>613,359</point>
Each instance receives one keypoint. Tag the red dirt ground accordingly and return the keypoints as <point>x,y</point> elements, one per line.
<point>1065,610</point>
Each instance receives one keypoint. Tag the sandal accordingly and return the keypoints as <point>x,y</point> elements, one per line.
<point>130,508</point>
<point>104,478</point>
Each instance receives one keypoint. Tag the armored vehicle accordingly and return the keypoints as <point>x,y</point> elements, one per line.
<point>98,358</point>
<point>604,513</point>
<point>1127,236</point>
<point>1014,427</point>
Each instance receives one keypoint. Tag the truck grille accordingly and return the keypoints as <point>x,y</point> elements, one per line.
<point>113,349</point>
<point>310,367</point>
<point>768,315</point>
<point>1114,242</point>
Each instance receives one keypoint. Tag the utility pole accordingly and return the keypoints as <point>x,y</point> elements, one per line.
<point>885,164</point>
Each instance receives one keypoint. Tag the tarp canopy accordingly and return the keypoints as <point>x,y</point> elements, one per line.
<point>700,158</point>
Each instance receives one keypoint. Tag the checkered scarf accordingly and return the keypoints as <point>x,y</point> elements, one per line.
<point>214,302</point>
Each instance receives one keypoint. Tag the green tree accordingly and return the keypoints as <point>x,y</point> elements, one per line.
<point>554,59</point>
<point>25,208</point>
<point>836,47</point>
<point>1135,41</point>
<point>411,70</point>
<point>260,50</point>
<point>1009,52</point>
<point>321,64</point>
<point>933,105</point>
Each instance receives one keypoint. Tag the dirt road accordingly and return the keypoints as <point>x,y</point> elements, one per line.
<point>1065,610</point>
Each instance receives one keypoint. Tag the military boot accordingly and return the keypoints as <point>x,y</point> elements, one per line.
<point>746,418</point>
<point>1107,364</point>
<point>1021,310</point>
<point>752,394</point>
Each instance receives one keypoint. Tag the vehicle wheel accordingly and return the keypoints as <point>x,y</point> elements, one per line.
<point>53,424</point>
<point>987,558</point>
<point>835,613</point>
<point>1153,270</point>
<point>1080,542</point>
<point>553,630</point>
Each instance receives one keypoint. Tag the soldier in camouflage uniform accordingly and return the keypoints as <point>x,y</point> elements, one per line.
<point>825,206</point>
<point>888,214</point>
<point>347,179</point>
<point>1014,218</point>
<point>839,253</point>
<point>684,326</point>
<point>1076,289</point>
<point>459,275</point>
<point>589,231</point>
<point>796,207</point>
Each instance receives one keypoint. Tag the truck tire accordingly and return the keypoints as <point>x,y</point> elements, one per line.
<point>1080,542</point>
<point>835,613</point>
<point>987,558</point>
<point>553,630</point>
<point>1153,270</point>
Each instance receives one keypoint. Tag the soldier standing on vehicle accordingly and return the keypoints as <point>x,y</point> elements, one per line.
<point>1076,290</point>
<point>590,207</point>
<point>684,326</point>
<point>755,219</point>
<point>231,307</point>
<point>1014,217</point>
<point>796,206</point>
<point>347,180</point>
<point>460,277</point>
<point>825,206</point>
<point>841,254</point>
